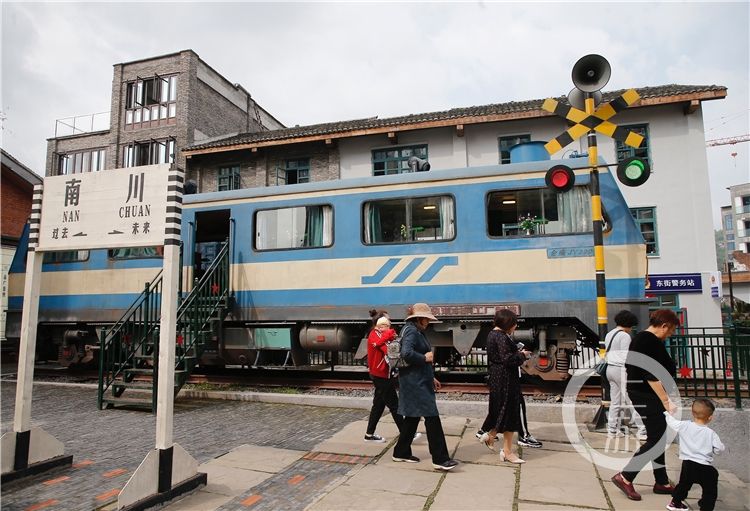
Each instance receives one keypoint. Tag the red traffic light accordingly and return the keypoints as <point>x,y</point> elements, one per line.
<point>633,171</point>
<point>560,178</point>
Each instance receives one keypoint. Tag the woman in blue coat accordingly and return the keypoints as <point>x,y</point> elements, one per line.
<point>417,384</point>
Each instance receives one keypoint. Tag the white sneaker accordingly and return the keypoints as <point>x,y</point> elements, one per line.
<point>641,434</point>
<point>615,434</point>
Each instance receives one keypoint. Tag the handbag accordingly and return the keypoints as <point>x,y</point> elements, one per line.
<point>601,366</point>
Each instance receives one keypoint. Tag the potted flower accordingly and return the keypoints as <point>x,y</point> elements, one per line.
<point>527,224</point>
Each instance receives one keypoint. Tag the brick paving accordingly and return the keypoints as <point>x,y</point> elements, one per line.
<point>301,484</point>
<point>108,445</point>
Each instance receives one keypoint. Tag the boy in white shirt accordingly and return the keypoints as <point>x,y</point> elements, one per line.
<point>698,444</point>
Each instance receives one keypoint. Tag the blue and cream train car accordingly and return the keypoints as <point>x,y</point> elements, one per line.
<point>308,261</point>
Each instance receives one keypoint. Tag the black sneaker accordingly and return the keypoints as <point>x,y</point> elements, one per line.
<point>410,459</point>
<point>529,441</point>
<point>676,505</point>
<point>374,438</point>
<point>446,465</point>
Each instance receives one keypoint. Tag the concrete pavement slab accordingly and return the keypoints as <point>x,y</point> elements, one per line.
<point>420,449</point>
<point>258,458</point>
<point>351,440</point>
<point>201,500</point>
<point>395,480</point>
<point>539,506</point>
<point>452,425</point>
<point>346,498</point>
<point>230,481</point>
<point>541,482</point>
<point>476,487</point>
<point>563,461</point>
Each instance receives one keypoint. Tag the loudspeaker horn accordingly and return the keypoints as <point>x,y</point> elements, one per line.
<point>591,73</point>
<point>576,98</point>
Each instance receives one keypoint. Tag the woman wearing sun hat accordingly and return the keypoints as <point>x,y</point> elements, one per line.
<point>417,386</point>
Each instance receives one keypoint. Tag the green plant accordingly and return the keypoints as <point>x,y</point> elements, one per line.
<point>528,222</point>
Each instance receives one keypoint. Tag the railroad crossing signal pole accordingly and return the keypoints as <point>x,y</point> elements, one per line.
<point>590,74</point>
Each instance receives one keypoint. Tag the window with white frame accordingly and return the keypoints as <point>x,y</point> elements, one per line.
<point>396,160</point>
<point>91,160</point>
<point>645,218</point>
<point>151,101</point>
<point>538,212</point>
<point>149,153</point>
<point>297,227</point>
<point>228,178</point>
<point>409,220</point>
<point>505,143</point>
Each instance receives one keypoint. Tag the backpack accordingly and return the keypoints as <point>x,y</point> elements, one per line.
<point>393,355</point>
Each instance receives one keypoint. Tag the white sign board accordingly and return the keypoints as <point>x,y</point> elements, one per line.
<point>108,209</point>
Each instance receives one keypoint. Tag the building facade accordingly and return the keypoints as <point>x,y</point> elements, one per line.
<point>735,226</point>
<point>159,105</point>
<point>16,190</point>
<point>669,117</point>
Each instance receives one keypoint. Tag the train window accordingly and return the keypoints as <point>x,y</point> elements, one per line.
<point>135,253</point>
<point>300,227</point>
<point>538,212</point>
<point>68,256</point>
<point>408,220</point>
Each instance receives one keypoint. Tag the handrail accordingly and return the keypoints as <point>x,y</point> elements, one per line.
<point>119,345</point>
<point>208,295</point>
<point>137,331</point>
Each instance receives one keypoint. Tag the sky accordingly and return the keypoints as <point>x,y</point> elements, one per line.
<point>313,62</point>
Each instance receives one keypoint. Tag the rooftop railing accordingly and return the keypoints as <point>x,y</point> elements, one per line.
<point>81,124</point>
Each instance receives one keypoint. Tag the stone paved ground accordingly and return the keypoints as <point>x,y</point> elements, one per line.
<point>112,443</point>
<point>262,456</point>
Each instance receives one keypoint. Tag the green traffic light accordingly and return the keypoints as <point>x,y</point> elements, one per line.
<point>633,171</point>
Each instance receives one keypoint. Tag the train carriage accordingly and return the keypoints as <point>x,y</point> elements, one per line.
<point>308,261</point>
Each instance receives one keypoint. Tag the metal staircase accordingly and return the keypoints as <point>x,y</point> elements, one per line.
<point>129,350</point>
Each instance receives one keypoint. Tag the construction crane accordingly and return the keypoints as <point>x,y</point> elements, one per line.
<point>727,141</point>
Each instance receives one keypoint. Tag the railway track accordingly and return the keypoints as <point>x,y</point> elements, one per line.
<point>236,379</point>
<point>453,382</point>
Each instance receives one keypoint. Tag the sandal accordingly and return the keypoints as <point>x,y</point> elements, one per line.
<point>485,439</point>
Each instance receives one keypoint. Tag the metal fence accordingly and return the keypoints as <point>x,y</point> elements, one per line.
<point>711,362</point>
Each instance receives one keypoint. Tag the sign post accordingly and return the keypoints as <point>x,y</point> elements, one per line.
<point>590,74</point>
<point>26,450</point>
<point>121,208</point>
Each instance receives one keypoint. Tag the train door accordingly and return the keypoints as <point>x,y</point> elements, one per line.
<point>211,230</point>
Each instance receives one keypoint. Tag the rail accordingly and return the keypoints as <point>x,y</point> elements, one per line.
<point>205,303</point>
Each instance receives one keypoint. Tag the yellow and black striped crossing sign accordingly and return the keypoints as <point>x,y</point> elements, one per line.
<point>599,121</point>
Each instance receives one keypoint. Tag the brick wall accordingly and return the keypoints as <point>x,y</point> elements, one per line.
<point>259,169</point>
<point>15,194</point>
<point>199,106</point>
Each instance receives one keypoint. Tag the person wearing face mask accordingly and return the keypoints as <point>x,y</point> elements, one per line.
<point>417,384</point>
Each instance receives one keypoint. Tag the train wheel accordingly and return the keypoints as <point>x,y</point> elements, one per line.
<point>68,355</point>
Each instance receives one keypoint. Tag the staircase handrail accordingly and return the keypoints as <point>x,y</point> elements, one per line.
<point>202,301</point>
<point>113,360</point>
